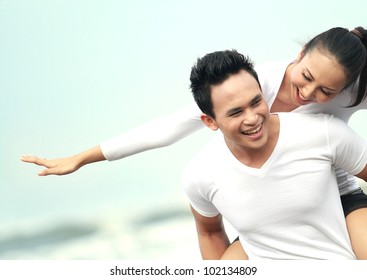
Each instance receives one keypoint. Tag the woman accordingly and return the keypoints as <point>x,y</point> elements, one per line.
<point>306,85</point>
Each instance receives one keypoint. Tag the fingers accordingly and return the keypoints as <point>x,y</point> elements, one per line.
<point>37,161</point>
<point>59,166</point>
<point>41,162</point>
<point>34,159</point>
<point>45,172</point>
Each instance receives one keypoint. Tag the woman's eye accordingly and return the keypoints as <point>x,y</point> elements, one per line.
<point>328,94</point>
<point>306,77</point>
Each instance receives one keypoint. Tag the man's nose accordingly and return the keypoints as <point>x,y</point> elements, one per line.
<point>251,118</point>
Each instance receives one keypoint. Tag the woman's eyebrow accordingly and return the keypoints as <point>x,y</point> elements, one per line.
<point>309,73</point>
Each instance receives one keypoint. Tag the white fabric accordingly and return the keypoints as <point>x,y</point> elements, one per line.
<point>154,134</point>
<point>290,207</point>
<point>168,130</point>
<point>271,76</point>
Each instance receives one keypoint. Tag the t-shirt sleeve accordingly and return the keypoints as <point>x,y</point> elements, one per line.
<point>198,192</point>
<point>158,133</point>
<point>349,149</point>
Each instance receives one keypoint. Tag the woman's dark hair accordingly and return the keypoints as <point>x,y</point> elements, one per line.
<point>349,48</point>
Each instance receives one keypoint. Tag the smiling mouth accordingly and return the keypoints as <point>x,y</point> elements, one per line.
<point>302,97</point>
<point>252,131</point>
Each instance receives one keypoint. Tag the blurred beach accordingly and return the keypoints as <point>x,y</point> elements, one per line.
<point>161,234</point>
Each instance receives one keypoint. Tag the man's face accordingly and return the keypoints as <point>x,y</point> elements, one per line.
<point>241,112</point>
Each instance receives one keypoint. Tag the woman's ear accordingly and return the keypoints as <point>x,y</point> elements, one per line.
<point>301,55</point>
<point>209,122</point>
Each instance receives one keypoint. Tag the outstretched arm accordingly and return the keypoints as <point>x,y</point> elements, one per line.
<point>155,134</point>
<point>63,166</point>
<point>213,239</point>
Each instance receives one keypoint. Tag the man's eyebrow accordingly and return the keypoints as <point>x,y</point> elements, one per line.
<point>257,97</point>
<point>235,110</point>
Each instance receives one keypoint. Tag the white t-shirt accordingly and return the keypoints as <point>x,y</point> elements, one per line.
<point>290,207</point>
<point>171,128</point>
<point>271,76</point>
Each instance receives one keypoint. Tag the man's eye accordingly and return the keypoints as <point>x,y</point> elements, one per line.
<point>234,113</point>
<point>256,102</point>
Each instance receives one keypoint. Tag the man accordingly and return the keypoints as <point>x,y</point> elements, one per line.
<point>270,175</point>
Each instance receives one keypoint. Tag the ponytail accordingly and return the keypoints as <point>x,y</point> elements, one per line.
<point>361,33</point>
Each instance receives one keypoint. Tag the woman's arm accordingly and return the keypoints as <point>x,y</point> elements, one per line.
<point>155,134</point>
<point>158,133</point>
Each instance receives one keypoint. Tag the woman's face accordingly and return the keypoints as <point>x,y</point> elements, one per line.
<point>316,78</point>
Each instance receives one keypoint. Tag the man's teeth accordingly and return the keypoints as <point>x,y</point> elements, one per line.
<point>253,131</point>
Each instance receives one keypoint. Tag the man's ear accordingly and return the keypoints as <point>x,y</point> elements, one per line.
<point>209,122</point>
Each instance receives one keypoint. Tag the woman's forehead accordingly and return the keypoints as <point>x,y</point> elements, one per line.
<point>324,68</point>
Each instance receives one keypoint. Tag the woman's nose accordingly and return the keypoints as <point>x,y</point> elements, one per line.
<point>309,92</point>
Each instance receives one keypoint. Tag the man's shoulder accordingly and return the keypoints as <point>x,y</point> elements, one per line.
<point>313,126</point>
<point>209,157</point>
<point>300,128</point>
<point>305,118</point>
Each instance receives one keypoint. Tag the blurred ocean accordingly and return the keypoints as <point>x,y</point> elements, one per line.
<point>132,209</point>
<point>164,233</point>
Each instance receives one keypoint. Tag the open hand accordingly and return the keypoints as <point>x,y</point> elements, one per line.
<point>61,166</point>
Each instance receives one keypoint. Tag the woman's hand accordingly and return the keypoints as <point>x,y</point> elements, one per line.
<point>67,165</point>
<point>61,166</point>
